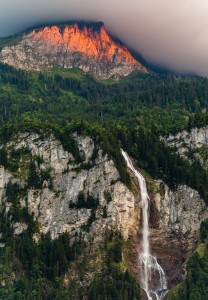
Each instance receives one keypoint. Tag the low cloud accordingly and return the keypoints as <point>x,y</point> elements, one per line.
<point>170,33</point>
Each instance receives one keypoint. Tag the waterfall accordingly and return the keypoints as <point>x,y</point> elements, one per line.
<point>150,268</point>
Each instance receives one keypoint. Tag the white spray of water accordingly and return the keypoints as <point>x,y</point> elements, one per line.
<point>149,266</point>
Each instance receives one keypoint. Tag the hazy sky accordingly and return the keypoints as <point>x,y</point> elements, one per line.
<point>172,33</point>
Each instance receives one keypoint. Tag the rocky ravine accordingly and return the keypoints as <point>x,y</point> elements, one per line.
<point>87,47</point>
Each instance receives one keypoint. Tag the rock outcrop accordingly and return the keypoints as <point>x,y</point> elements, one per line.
<point>176,216</point>
<point>181,211</point>
<point>87,47</point>
<point>175,219</point>
<point>193,144</point>
<point>59,204</point>
<point>54,205</point>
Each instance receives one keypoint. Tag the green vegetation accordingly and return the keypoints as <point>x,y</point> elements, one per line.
<point>163,103</point>
<point>131,114</point>
<point>107,196</point>
<point>113,282</point>
<point>30,270</point>
<point>194,286</point>
<point>26,263</point>
<point>25,167</point>
<point>105,139</point>
<point>89,202</point>
<point>9,41</point>
<point>204,230</point>
<point>161,161</point>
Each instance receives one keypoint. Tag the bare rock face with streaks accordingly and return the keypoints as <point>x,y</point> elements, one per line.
<point>176,220</point>
<point>88,47</point>
<point>180,211</point>
<point>175,215</point>
<point>192,145</point>
<point>54,205</point>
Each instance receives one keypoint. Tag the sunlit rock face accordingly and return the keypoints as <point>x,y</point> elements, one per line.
<point>88,47</point>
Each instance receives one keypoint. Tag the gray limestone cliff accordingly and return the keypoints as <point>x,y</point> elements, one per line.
<point>193,144</point>
<point>54,204</point>
<point>87,199</point>
<point>181,211</point>
<point>176,214</point>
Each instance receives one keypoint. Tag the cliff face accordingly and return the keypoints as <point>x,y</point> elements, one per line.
<point>180,212</point>
<point>88,48</point>
<point>81,199</point>
<point>176,215</point>
<point>175,219</point>
<point>87,198</point>
<point>193,144</point>
<point>175,234</point>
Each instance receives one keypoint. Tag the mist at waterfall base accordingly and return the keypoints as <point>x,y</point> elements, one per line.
<point>153,279</point>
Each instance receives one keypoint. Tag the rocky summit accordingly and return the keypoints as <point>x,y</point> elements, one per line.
<point>103,185</point>
<point>88,47</point>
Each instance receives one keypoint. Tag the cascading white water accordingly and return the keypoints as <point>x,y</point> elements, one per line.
<point>149,266</point>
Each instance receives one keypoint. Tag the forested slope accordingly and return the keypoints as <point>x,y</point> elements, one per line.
<point>132,114</point>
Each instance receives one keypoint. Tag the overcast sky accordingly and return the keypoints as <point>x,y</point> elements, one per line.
<point>173,33</point>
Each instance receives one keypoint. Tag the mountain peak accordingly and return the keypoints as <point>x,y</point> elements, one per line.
<point>84,45</point>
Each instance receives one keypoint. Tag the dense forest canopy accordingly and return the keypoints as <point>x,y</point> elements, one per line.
<point>153,100</point>
<point>136,110</point>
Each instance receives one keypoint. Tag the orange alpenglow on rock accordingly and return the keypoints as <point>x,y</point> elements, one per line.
<point>88,47</point>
